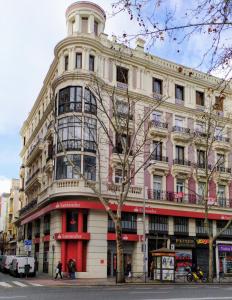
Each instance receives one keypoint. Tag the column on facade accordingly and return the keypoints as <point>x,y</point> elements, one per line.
<point>170,226</point>
<point>137,256</point>
<point>72,59</point>
<point>91,24</point>
<point>77,27</point>
<point>97,245</point>
<point>63,243</point>
<point>80,243</point>
<point>69,27</point>
<point>192,227</point>
<point>55,227</point>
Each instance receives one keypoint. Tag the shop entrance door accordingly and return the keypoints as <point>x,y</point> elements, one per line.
<point>112,262</point>
<point>46,257</point>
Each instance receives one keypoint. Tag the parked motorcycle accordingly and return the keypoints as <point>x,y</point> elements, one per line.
<point>196,276</point>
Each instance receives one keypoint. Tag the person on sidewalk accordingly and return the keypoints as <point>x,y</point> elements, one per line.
<point>59,270</point>
<point>73,269</point>
<point>128,269</point>
<point>69,264</point>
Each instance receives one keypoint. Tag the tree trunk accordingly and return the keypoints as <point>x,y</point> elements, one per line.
<point>120,263</point>
<point>210,259</point>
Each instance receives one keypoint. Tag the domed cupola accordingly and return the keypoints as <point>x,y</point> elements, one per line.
<point>85,17</point>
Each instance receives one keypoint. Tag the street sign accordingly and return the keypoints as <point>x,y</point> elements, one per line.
<point>27,245</point>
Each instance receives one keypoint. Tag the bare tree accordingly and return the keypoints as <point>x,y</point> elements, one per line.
<point>210,133</point>
<point>122,124</point>
<point>160,20</point>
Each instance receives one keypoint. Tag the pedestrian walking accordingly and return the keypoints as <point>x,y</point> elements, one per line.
<point>128,269</point>
<point>72,268</point>
<point>59,270</point>
<point>69,265</point>
<point>152,268</point>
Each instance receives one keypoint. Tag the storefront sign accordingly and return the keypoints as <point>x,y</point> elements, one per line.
<point>202,242</point>
<point>125,237</point>
<point>185,243</point>
<point>72,236</point>
<point>225,248</point>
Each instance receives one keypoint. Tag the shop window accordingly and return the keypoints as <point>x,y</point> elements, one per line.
<point>157,87</point>
<point>90,102</point>
<point>158,224</point>
<point>91,63</point>
<point>179,92</point>
<point>46,228</point>
<point>72,221</point>
<point>122,75</point>
<point>221,225</point>
<point>66,63</point>
<point>180,225</point>
<point>79,60</point>
<point>200,98</point>
<point>64,170</point>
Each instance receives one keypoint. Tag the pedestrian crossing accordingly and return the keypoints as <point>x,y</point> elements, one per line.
<point>11,284</point>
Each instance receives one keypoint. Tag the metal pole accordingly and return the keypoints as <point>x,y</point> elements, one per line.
<point>144,233</point>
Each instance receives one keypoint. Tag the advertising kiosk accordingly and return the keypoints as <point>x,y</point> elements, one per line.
<point>164,264</point>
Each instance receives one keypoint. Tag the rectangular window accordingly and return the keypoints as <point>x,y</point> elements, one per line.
<point>72,221</point>
<point>84,25</point>
<point>179,122</point>
<point>157,86</point>
<point>158,223</point>
<point>122,143</point>
<point>201,158</point>
<point>64,170</point>
<point>180,154</point>
<point>200,127</point>
<point>221,195</point>
<point>79,60</point>
<point>180,225</point>
<point>200,98</point>
<point>157,150</point>
<point>201,192</point>
<point>66,63</point>
<point>180,186</point>
<point>219,103</point>
<point>157,186</point>
<point>119,176</point>
<point>157,116</point>
<point>91,63</point>
<point>96,27</point>
<point>179,92</point>
<point>89,167</point>
<point>46,228</point>
<point>220,160</point>
<point>122,75</point>
<point>218,132</point>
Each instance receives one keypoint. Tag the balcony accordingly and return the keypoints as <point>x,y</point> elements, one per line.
<point>181,134</point>
<point>28,207</point>
<point>123,120</point>
<point>158,227</point>
<point>158,164</point>
<point>49,165</point>
<point>181,229</point>
<point>34,152</point>
<point>34,181</point>
<point>181,168</point>
<point>221,143</point>
<point>122,85</point>
<point>158,129</point>
<point>133,190</point>
<point>179,101</point>
<point>127,226</point>
<point>160,195</point>
<point>50,131</point>
<point>200,138</point>
<point>200,170</point>
<point>223,174</point>
<point>117,157</point>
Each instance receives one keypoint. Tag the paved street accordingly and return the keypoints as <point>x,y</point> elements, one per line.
<point>14,288</point>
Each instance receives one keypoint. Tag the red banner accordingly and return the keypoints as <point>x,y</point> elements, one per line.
<point>125,237</point>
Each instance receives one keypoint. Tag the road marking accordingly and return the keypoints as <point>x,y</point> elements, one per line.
<point>34,284</point>
<point>148,292</point>
<point>19,283</point>
<point>12,297</point>
<point>5,284</point>
<point>198,298</point>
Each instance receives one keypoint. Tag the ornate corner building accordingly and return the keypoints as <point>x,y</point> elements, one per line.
<point>61,214</point>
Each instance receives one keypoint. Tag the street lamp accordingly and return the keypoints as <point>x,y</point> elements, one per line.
<point>144,248</point>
